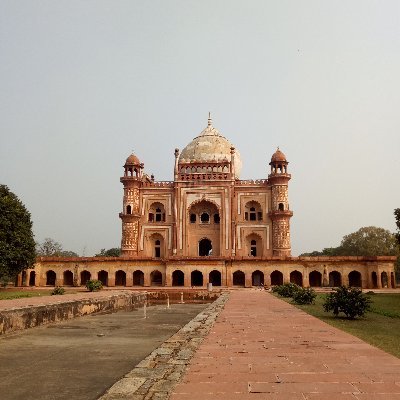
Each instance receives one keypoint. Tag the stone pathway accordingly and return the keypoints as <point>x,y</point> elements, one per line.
<point>263,348</point>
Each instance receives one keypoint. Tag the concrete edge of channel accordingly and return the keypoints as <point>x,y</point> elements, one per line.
<point>155,377</point>
<point>17,319</point>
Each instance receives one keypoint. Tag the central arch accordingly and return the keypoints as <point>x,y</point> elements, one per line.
<point>315,279</point>
<point>138,278</point>
<point>156,278</point>
<point>103,277</point>
<point>205,247</point>
<point>68,278</point>
<point>215,278</point>
<point>120,278</point>
<point>85,276</point>
<point>196,278</point>
<point>238,278</point>
<point>257,278</point>
<point>203,229</point>
<point>276,278</point>
<point>354,279</point>
<point>178,278</point>
<point>50,278</point>
<point>335,279</point>
<point>296,277</point>
<point>32,278</point>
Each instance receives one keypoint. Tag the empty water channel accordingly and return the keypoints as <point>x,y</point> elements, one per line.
<point>83,357</point>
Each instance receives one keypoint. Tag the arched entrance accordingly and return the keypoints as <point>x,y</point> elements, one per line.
<point>257,278</point>
<point>392,279</point>
<point>296,277</point>
<point>32,278</point>
<point>215,278</point>
<point>102,276</point>
<point>138,278</point>
<point>276,278</point>
<point>374,277</point>
<point>203,227</point>
<point>335,279</point>
<point>178,278</point>
<point>196,278</point>
<point>68,278</point>
<point>384,279</point>
<point>355,279</point>
<point>205,247</point>
<point>120,278</point>
<point>238,278</point>
<point>315,278</point>
<point>155,246</point>
<point>254,245</point>
<point>85,276</point>
<point>50,278</point>
<point>156,278</point>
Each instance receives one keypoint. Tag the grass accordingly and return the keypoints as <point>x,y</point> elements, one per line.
<point>380,327</point>
<point>10,294</point>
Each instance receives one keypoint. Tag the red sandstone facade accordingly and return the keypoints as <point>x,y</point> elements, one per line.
<point>206,210</point>
<point>208,226</point>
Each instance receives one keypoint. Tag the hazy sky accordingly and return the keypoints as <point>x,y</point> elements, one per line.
<point>83,83</point>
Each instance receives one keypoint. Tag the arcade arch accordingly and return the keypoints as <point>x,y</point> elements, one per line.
<point>178,278</point>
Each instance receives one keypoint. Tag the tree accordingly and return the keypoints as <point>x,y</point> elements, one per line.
<point>49,247</point>
<point>114,252</point>
<point>327,251</point>
<point>68,253</point>
<point>369,241</point>
<point>17,246</point>
<point>397,216</point>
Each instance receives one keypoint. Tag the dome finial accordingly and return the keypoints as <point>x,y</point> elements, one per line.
<point>209,119</point>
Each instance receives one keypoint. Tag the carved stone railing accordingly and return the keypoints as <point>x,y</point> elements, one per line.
<point>168,184</point>
<point>251,182</point>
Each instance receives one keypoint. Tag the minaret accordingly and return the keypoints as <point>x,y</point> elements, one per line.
<point>280,213</point>
<point>132,180</point>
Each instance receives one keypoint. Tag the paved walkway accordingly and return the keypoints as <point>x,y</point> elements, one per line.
<point>263,348</point>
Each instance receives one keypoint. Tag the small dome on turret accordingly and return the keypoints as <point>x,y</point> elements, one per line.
<point>132,160</point>
<point>278,156</point>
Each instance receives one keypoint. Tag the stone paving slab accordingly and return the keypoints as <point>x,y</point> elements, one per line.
<point>261,347</point>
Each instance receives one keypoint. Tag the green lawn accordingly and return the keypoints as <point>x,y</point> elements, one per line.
<point>9,295</point>
<point>380,327</point>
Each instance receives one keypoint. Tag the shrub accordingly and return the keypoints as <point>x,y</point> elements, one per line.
<point>286,290</point>
<point>94,285</point>
<point>350,301</point>
<point>58,290</point>
<point>304,296</point>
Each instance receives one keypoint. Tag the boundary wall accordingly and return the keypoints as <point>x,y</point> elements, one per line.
<point>365,272</point>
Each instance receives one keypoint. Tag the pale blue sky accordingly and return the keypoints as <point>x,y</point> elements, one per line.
<point>83,83</point>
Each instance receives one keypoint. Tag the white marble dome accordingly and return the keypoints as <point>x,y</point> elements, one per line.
<point>210,145</point>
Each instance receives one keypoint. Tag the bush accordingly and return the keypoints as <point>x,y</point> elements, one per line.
<point>94,285</point>
<point>58,290</point>
<point>350,301</point>
<point>286,290</point>
<point>304,296</point>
